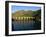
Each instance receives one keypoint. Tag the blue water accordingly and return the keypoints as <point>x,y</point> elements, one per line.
<point>26,25</point>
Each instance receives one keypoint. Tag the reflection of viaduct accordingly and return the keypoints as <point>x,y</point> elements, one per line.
<point>23,18</point>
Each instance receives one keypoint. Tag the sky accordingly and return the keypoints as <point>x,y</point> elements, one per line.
<point>15,8</point>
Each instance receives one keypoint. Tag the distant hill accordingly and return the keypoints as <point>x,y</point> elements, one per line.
<point>22,13</point>
<point>27,13</point>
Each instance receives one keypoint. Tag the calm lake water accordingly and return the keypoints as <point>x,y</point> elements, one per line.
<point>26,25</point>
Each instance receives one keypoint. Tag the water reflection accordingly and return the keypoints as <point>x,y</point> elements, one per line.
<point>26,25</point>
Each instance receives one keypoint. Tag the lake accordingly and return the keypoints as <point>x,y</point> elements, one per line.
<point>26,25</point>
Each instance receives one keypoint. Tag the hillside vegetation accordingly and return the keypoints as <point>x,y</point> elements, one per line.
<point>27,13</point>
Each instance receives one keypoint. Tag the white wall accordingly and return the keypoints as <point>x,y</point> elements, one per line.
<point>2,19</point>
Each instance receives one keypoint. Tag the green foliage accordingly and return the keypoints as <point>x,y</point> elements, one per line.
<point>27,13</point>
<point>22,13</point>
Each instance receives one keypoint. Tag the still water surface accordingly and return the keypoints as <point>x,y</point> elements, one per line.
<point>26,25</point>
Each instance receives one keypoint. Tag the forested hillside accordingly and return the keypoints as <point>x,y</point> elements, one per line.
<point>27,13</point>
